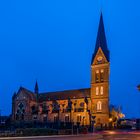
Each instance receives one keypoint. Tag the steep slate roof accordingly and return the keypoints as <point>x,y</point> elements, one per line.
<point>58,95</point>
<point>101,41</point>
<point>64,95</point>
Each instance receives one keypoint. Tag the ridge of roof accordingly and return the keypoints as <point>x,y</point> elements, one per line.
<point>63,95</point>
<point>67,90</point>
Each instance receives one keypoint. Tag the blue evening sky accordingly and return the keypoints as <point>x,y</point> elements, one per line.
<point>53,41</point>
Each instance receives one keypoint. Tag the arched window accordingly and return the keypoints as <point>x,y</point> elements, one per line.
<point>97,90</point>
<point>102,75</point>
<point>20,112</point>
<point>79,118</point>
<point>102,90</point>
<point>97,76</point>
<point>45,118</point>
<point>99,106</point>
<point>67,118</point>
<point>55,119</point>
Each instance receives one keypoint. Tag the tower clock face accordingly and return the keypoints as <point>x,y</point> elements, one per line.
<point>99,58</point>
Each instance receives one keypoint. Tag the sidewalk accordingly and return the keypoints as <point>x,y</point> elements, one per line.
<point>93,135</point>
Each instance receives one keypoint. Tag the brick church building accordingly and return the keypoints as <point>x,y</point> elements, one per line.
<point>82,105</point>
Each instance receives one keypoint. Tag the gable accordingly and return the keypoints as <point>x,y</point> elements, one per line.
<point>22,96</point>
<point>99,58</point>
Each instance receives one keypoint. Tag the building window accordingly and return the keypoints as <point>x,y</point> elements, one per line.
<point>102,75</point>
<point>35,110</point>
<point>97,90</point>
<point>55,118</point>
<point>67,118</point>
<point>97,76</point>
<point>102,90</point>
<point>34,117</point>
<point>79,118</point>
<point>20,112</point>
<point>45,118</point>
<point>17,117</point>
<point>99,106</point>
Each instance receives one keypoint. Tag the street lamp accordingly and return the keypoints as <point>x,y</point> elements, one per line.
<point>110,122</point>
<point>0,116</point>
<point>110,119</point>
<point>138,87</point>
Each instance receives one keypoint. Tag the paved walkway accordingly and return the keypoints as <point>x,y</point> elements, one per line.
<point>70,137</point>
<point>109,135</point>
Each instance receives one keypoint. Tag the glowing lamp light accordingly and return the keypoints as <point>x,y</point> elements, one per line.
<point>110,119</point>
<point>111,132</point>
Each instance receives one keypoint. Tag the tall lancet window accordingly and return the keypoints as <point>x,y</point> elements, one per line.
<point>97,76</point>
<point>102,90</point>
<point>99,106</point>
<point>97,90</point>
<point>20,112</point>
<point>102,75</point>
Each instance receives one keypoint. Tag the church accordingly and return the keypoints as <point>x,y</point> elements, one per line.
<point>89,106</point>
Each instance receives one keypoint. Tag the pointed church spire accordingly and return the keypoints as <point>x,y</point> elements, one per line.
<point>36,88</point>
<point>101,40</point>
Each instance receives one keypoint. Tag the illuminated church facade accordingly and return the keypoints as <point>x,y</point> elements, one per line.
<point>83,106</point>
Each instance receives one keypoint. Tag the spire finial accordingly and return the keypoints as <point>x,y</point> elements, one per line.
<point>36,87</point>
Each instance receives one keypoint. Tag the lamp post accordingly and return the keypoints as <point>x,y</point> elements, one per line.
<point>70,109</point>
<point>91,117</point>
<point>138,87</point>
<point>90,120</point>
<point>71,120</point>
<point>0,116</point>
<point>110,122</point>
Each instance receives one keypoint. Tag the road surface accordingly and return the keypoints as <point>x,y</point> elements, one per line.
<point>107,135</point>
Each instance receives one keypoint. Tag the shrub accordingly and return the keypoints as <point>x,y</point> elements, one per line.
<point>36,132</point>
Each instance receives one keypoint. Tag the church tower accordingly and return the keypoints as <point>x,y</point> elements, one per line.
<point>100,67</point>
